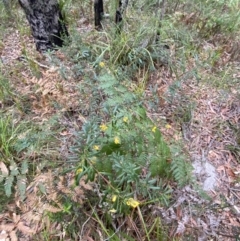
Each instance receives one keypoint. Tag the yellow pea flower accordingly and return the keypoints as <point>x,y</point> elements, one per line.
<point>103,127</point>
<point>114,198</point>
<point>168,126</point>
<point>113,211</point>
<point>93,160</point>
<point>154,129</point>
<point>125,119</point>
<point>96,147</point>
<point>132,202</point>
<point>79,170</point>
<point>117,140</point>
<point>102,64</point>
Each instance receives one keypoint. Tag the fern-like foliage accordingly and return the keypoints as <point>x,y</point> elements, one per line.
<point>14,174</point>
<point>180,166</point>
<point>116,92</point>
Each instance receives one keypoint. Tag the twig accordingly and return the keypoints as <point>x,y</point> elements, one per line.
<point>36,62</point>
<point>90,216</point>
<point>116,231</point>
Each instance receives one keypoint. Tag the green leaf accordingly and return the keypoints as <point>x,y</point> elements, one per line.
<point>24,167</point>
<point>159,166</point>
<point>8,185</point>
<point>181,170</point>
<point>42,188</point>
<point>158,136</point>
<point>21,184</point>
<point>78,177</point>
<point>142,112</point>
<point>110,148</point>
<point>154,188</point>
<point>14,169</point>
<point>104,166</point>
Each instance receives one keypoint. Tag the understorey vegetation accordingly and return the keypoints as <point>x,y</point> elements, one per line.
<point>121,135</point>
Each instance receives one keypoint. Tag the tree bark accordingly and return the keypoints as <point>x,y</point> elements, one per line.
<point>98,13</point>
<point>46,22</point>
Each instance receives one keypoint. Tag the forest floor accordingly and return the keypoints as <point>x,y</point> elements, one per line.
<point>204,117</point>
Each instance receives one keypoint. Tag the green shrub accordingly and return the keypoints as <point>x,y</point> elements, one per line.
<point>126,153</point>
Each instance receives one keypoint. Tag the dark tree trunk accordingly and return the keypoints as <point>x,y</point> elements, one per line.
<point>46,22</point>
<point>98,13</point>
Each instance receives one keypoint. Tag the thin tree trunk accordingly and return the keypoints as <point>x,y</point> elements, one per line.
<point>98,13</point>
<point>46,22</point>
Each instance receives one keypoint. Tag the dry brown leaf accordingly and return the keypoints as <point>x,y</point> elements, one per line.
<point>4,169</point>
<point>234,222</point>
<point>46,91</point>
<point>227,169</point>
<point>61,187</point>
<point>24,229</point>
<point>193,222</point>
<point>16,218</point>
<point>88,238</point>
<point>7,227</point>
<point>86,186</point>
<point>78,191</point>
<point>51,208</point>
<point>221,169</point>
<point>33,216</point>
<point>65,133</point>
<point>3,236</point>
<point>13,236</point>
<point>52,196</point>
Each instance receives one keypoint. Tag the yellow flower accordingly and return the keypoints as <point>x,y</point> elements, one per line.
<point>96,147</point>
<point>168,126</point>
<point>132,202</point>
<point>154,129</point>
<point>117,140</point>
<point>103,127</point>
<point>113,211</point>
<point>79,170</point>
<point>102,64</point>
<point>125,119</point>
<point>93,160</point>
<point>114,198</point>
